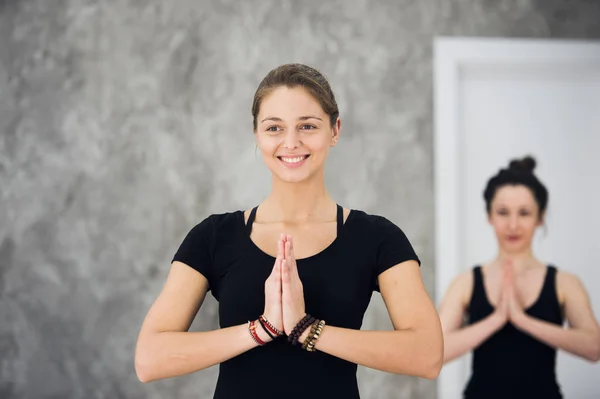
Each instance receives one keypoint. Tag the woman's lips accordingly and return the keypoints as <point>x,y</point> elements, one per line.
<point>293,161</point>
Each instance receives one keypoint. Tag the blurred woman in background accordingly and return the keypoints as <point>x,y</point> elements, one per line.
<point>515,304</point>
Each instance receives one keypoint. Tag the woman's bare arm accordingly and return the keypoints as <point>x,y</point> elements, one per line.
<point>415,346</point>
<point>582,338</point>
<point>458,339</point>
<point>165,348</point>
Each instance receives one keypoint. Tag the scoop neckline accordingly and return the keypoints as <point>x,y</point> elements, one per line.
<point>527,309</point>
<point>316,255</point>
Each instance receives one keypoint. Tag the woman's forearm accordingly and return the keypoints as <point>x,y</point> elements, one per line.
<point>407,352</point>
<point>170,354</point>
<point>459,342</point>
<point>582,343</point>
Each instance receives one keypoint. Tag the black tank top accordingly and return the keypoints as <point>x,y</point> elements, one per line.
<point>511,363</point>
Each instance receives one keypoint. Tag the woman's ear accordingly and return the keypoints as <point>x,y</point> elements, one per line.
<point>255,142</point>
<point>335,131</point>
<point>541,219</point>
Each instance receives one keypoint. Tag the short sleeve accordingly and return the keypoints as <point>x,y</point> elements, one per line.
<point>394,247</point>
<point>196,250</point>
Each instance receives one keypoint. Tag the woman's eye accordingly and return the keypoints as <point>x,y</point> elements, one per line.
<point>273,129</point>
<point>307,127</point>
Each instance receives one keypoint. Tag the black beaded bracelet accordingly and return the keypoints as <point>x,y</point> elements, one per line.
<point>302,325</point>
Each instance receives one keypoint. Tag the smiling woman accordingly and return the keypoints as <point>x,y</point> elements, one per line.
<point>299,266</point>
<point>279,137</point>
<point>313,121</point>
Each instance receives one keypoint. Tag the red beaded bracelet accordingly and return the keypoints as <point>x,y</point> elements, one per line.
<point>266,329</point>
<point>263,320</point>
<point>253,334</point>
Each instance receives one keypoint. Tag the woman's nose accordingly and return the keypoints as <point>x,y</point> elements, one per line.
<point>291,140</point>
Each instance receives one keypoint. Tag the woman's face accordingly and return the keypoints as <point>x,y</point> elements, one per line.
<point>514,214</point>
<point>294,134</point>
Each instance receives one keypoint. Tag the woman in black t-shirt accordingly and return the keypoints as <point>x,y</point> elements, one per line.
<point>294,275</point>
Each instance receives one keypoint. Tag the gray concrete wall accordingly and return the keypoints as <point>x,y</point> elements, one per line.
<point>124,123</point>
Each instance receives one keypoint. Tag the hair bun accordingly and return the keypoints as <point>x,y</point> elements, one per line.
<point>526,164</point>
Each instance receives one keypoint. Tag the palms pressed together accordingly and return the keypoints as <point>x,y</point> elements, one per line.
<point>284,294</point>
<point>510,307</point>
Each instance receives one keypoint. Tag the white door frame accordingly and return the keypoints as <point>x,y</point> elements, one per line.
<point>452,59</point>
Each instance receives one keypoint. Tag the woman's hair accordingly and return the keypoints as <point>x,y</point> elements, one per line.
<point>519,172</point>
<point>297,75</point>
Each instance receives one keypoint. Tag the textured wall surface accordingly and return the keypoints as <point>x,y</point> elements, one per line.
<point>123,123</point>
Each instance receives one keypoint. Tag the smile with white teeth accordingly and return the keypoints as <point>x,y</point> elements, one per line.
<point>293,160</point>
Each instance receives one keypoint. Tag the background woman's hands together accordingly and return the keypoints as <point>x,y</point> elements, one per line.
<point>509,307</point>
<point>513,305</point>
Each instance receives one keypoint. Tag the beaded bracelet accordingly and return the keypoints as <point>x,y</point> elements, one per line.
<point>302,325</point>
<point>313,340</point>
<point>253,334</point>
<point>311,333</point>
<point>266,329</point>
<point>268,326</point>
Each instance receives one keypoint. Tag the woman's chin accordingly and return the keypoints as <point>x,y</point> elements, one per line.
<point>515,247</point>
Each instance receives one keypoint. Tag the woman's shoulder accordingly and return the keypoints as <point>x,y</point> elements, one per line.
<point>460,289</point>
<point>215,222</point>
<point>463,282</point>
<point>227,216</point>
<point>372,221</point>
<point>375,228</point>
<point>567,284</point>
<point>565,278</point>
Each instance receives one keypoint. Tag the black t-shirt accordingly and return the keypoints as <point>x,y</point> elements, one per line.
<point>338,283</point>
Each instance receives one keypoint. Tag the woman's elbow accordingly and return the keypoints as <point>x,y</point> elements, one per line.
<point>594,353</point>
<point>143,370</point>
<point>142,374</point>
<point>143,364</point>
<point>426,366</point>
<point>434,354</point>
<point>433,364</point>
<point>431,374</point>
<point>428,361</point>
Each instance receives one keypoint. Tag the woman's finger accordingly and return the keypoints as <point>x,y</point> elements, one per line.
<point>285,274</point>
<point>293,256</point>
<point>277,267</point>
<point>291,260</point>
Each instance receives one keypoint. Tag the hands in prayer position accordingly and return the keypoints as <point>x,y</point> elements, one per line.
<point>284,294</point>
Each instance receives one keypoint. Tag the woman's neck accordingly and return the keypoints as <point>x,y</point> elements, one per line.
<point>298,202</point>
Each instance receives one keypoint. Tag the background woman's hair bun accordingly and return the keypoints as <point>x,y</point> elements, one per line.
<point>526,164</point>
<point>519,172</point>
